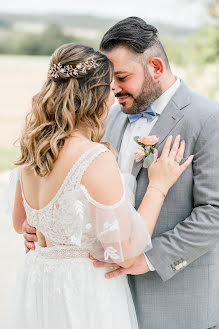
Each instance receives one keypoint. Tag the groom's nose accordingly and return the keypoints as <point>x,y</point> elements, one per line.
<point>116,88</point>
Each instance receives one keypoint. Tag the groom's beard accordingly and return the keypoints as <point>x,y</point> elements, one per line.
<point>150,91</point>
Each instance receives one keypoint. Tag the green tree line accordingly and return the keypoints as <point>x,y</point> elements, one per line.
<point>37,43</point>
<point>200,48</point>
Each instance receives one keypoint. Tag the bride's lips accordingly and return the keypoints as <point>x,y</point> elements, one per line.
<point>122,99</point>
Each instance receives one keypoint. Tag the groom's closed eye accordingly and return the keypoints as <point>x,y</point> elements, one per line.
<point>122,78</point>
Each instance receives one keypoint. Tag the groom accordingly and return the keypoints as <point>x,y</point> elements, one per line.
<point>175,285</point>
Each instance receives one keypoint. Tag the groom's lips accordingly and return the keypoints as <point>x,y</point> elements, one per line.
<point>122,99</point>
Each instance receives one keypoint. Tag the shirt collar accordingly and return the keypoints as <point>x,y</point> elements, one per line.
<point>160,103</point>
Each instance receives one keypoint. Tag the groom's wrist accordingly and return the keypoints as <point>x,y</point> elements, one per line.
<point>151,267</point>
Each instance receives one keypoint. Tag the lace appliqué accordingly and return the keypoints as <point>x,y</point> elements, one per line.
<point>111,252</point>
<point>107,227</point>
<point>65,220</point>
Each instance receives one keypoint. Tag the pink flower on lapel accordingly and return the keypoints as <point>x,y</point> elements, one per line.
<point>139,154</point>
<point>145,150</point>
<point>149,140</point>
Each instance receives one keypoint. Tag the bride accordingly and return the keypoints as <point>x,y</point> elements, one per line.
<point>70,189</point>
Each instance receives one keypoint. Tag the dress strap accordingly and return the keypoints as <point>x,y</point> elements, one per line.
<point>87,160</point>
<point>19,177</point>
<point>18,173</point>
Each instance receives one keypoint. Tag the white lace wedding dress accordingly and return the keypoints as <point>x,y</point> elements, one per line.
<point>58,287</point>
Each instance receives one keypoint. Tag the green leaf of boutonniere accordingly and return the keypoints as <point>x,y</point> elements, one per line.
<point>148,160</point>
<point>136,140</point>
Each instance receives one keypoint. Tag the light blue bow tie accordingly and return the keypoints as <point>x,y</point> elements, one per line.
<point>149,114</point>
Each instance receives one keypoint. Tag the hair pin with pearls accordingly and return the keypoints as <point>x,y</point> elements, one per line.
<point>70,71</point>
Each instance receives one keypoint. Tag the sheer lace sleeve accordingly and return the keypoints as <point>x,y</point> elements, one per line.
<point>120,230</point>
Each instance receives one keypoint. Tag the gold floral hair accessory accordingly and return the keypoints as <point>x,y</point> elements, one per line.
<point>70,71</point>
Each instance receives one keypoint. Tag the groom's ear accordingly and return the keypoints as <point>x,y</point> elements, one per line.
<point>156,67</point>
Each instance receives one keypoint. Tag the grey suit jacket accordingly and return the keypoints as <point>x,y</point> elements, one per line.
<point>183,293</point>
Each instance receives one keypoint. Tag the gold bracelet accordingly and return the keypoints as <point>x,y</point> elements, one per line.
<point>158,189</point>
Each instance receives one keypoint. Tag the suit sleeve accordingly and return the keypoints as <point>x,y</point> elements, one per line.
<point>199,233</point>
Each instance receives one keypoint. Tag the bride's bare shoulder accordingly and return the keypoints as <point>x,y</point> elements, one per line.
<point>102,179</point>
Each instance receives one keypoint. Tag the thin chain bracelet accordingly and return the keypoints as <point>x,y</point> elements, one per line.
<point>158,189</point>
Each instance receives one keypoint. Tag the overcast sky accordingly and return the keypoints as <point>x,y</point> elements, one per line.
<point>180,12</point>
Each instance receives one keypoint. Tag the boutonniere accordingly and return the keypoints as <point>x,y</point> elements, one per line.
<point>145,150</point>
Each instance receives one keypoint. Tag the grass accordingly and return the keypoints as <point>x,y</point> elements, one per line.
<point>7,157</point>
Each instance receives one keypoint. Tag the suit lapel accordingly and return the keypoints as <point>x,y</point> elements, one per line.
<point>122,127</point>
<point>167,121</point>
<point>169,118</point>
<point>118,130</point>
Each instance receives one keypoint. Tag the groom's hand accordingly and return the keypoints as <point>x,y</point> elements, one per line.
<point>29,234</point>
<point>138,267</point>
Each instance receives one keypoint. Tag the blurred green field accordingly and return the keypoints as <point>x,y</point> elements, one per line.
<point>7,157</point>
<point>21,77</point>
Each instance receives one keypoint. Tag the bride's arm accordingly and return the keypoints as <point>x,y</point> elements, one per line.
<point>104,185</point>
<point>103,182</point>
<point>19,214</point>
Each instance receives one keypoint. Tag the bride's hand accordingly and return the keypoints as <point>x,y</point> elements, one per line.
<point>164,172</point>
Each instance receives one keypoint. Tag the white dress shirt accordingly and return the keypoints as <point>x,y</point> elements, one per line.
<point>142,127</point>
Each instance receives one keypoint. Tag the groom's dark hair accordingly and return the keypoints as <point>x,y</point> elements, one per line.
<point>135,33</point>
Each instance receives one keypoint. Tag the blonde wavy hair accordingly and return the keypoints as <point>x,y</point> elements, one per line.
<point>62,104</point>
